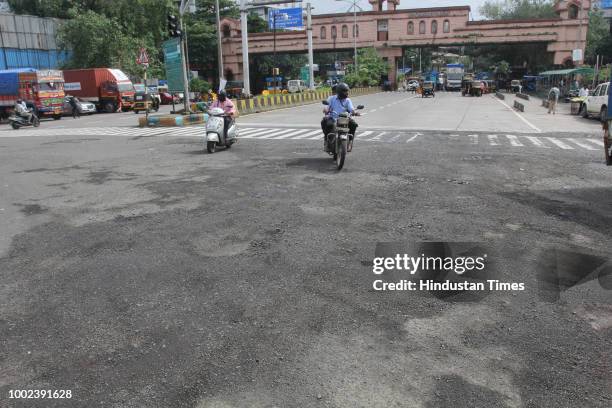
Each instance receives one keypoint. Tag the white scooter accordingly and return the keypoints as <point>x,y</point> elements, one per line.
<point>214,131</point>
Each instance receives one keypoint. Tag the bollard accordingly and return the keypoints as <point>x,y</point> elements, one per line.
<point>519,106</point>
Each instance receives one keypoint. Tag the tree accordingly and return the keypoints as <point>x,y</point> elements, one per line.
<point>599,40</point>
<point>371,68</point>
<point>518,9</point>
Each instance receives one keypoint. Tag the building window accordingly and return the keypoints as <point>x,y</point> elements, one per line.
<point>334,32</point>
<point>356,30</point>
<point>446,26</point>
<point>410,27</point>
<point>383,30</point>
<point>573,11</point>
<point>344,31</point>
<point>226,31</point>
<point>422,27</point>
<point>434,27</point>
<point>323,33</point>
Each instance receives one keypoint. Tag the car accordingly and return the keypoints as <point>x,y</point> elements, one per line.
<point>412,85</point>
<point>85,108</point>
<point>296,86</point>
<point>596,105</point>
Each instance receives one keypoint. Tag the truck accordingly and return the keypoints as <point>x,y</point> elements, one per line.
<point>42,90</point>
<point>454,76</point>
<point>109,89</point>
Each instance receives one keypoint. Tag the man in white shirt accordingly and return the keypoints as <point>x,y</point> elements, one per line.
<point>584,92</point>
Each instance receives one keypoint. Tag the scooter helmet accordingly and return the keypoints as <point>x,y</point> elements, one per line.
<point>342,90</point>
<point>222,96</point>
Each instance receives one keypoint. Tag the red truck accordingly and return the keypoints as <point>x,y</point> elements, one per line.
<point>109,89</point>
<point>42,90</point>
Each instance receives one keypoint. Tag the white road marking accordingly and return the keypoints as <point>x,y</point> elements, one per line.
<point>378,136</point>
<point>493,141</point>
<point>275,133</point>
<point>597,142</point>
<point>560,143</point>
<point>413,138</point>
<point>514,141</point>
<point>291,134</point>
<point>581,144</point>
<point>537,142</point>
<point>309,134</point>
<point>255,134</point>
<point>474,139</point>
<point>361,135</point>
<point>517,114</point>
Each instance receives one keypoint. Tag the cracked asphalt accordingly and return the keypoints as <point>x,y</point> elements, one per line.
<point>143,272</point>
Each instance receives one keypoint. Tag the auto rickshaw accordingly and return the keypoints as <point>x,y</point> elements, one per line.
<point>471,87</point>
<point>145,102</point>
<point>427,89</point>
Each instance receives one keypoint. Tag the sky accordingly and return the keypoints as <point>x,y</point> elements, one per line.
<point>333,6</point>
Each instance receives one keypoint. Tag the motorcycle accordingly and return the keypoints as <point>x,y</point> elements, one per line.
<point>214,131</point>
<point>18,121</point>
<point>337,142</point>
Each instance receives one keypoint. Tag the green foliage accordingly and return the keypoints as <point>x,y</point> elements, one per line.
<point>256,24</point>
<point>371,68</point>
<point>518,9</point>
<point>599,40</point>
<point>199,85</point>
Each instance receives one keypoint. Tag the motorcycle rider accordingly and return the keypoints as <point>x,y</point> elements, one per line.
<point>338,104</point>
<point>22,110</point>
<point>228,107</point>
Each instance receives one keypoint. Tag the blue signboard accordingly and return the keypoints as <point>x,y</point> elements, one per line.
<point>285,18</point>
<point>606,4</point>
<point>174,64</point>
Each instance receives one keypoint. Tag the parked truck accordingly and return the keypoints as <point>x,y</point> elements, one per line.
<point>454,76</point>
<point>109,89</point>
<point>42,90</point>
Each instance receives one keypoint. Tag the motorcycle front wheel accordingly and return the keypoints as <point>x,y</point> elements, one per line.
<point>341,155</point>
<point>211,147</point>
<point>35,122</point>
<point>14,125</point>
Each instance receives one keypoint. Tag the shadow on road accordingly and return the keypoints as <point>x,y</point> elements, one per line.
<point>320,164</point>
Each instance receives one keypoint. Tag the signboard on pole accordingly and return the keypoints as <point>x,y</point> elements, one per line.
<point>606,4</point>
<point>143,57</point>
<point>174,66</point>
<point>305,74</point>
<point>285,18</point>
<point>577,55</point>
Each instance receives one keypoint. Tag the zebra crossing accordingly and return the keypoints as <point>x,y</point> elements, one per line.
<point>274,133</point>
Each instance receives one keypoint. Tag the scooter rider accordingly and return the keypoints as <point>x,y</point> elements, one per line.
<point>228,107</point>
<point>22,110</point>
<point>338,104</point>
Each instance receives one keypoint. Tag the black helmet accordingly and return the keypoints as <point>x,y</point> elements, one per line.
<point>19,100</point>
<point>222,96</point>
<point>342,90</point>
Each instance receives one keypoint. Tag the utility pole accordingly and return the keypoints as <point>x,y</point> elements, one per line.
<point>244,27</point>
<point>310,47</point>
<point>219,46</point>
<point>182,8</point>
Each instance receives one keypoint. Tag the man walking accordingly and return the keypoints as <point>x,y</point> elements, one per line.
<point>75,108</point>
<point>553,99</point>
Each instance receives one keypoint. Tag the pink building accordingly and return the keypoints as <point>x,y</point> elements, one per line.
<point>389,29</point>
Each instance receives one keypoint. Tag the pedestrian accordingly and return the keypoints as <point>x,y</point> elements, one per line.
<point>75,108</point>
<point>553,99</point>
<point>584,92</point>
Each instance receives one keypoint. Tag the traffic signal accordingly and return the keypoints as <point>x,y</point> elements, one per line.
<point>174,29</point>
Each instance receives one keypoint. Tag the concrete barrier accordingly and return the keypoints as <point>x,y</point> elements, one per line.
<point>519,106</point>
<point>272,102</point>
<point>500,95</point>
<point>522,96</point>
<point>172,120</point>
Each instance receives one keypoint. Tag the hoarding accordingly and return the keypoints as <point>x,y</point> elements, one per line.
<point>606,4</point>
<point>285,18</point>
<point>174,65</point>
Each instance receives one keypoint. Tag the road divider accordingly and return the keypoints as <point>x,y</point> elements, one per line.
<point>522,96</point>
<point>172,120</point>
<point>500,95</point>
<point>272,102</point>
<point>519,106</point>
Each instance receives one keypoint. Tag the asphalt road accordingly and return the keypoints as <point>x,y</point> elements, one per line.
<point>139,271</point>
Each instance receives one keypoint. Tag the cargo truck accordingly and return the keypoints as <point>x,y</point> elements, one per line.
<point>42,90</point>
<point>454,76</point>
<point>107,88</point>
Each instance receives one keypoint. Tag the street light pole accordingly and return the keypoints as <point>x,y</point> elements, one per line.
<point>354,7</point>
<point>219,47</point>
<point>244,27</point>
